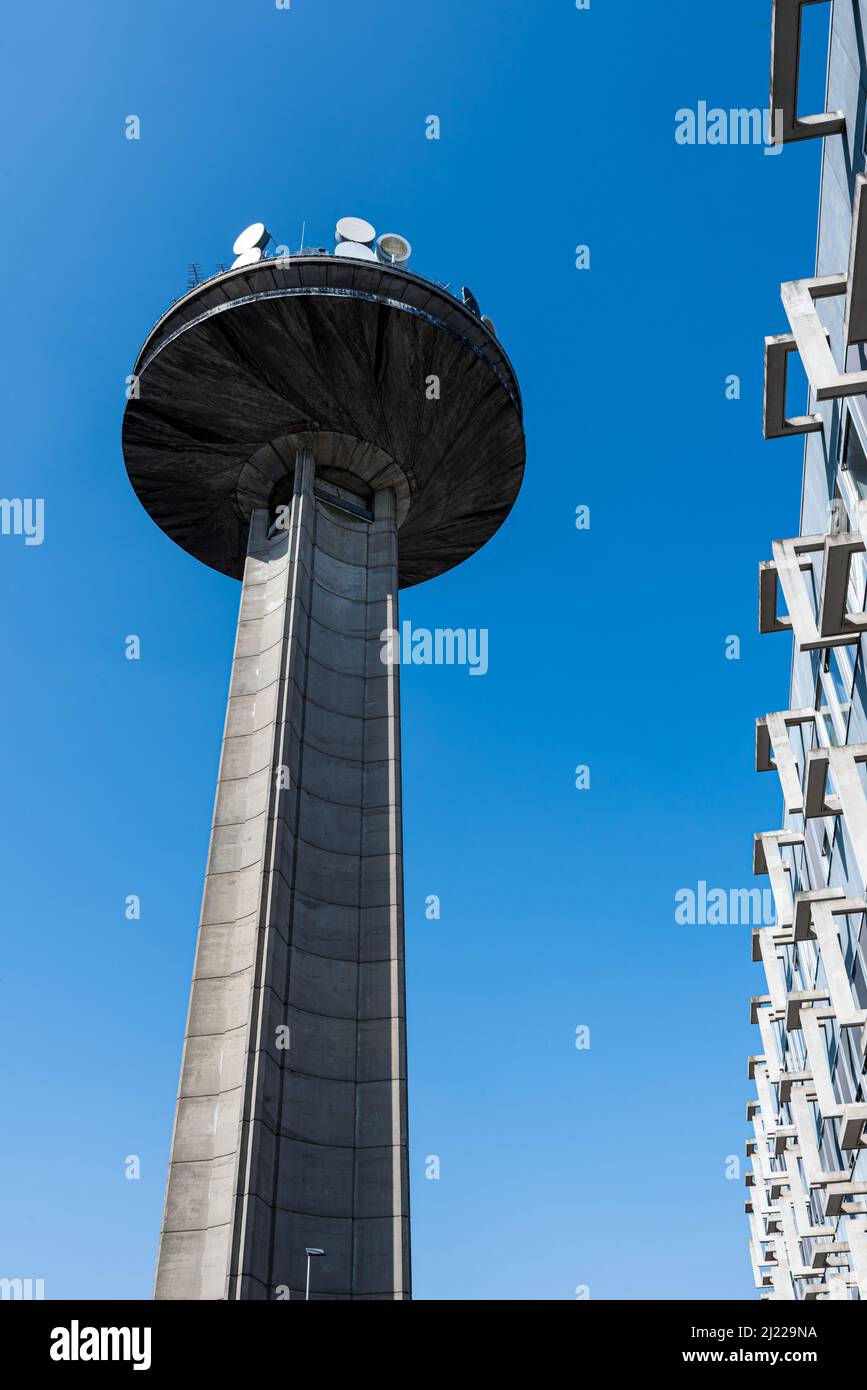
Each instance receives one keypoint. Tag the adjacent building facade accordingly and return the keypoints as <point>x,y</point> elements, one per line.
<point>807,1190</point>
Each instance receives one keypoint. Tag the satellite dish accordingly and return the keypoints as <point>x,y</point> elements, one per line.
<point>489,324</point>
<point>247,257</point>
<point>392,249</point>
<point>471,302</point>
<point>355,229</point>
<point>256,235</point>
<point>353,250</point>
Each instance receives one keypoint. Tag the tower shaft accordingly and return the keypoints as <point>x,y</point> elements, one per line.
<point>291,1121</point>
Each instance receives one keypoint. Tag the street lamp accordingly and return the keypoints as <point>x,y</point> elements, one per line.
<point>310,1251</point>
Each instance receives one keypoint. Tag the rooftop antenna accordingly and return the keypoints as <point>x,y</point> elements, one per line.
<point>355,250</point>
<point>392,249</point>
<point>470,301</point>
<point>194,275</point>
<point>355,230</point>
<point>250,244</point>
<point>303,230</point>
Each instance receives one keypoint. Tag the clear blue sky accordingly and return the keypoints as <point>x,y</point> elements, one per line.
<point>560,1167</point>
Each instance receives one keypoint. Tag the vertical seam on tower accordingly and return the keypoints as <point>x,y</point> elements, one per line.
<point>360,898</point>
<point>245,1138</point>
<point>295,837</point>
<point>237,1255</point>
<point>396,1153</point>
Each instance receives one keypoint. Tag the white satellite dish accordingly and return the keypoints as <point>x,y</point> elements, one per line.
<point>355,229</point>
<point>489,324</point>
<point>354,250</point>
<point>248,257</point>
<point>392,249</point>
<point>256,235</point>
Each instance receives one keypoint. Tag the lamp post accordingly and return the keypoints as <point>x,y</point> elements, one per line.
<point>310,1251</point>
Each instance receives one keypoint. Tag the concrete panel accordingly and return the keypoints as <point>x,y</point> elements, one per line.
<point>193,1261</point>
<point>212,1066</point>
<point>375,1240</point>
<point>323,985</point>
<point>347,617</point>
<point>238,845</point>
<point>337,691</point>
<point>327,824</point>
<point>243,798</point>
<point>374,1182</point>
<point>376,932</point>
<point>201,1195</point>
<point>228,947</point>
<point>320,1110</point>
<point>247,713</point>
<point>337,735</point>
<point>322,1046</point>
<point>315,1178</point>
<point>375,984</point>
<point>326,928</point>
<point>341,578</point>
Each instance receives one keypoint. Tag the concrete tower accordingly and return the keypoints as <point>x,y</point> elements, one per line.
<point>327,429</point>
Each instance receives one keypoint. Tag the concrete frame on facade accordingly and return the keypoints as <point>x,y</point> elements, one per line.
<point>839,765</point>
<point>832,624</point>
<point>815,913</point>
<point>778,425</point>
<point>785,67</point>
<point>774,754</point>
<point>768,859</point>
<point>810,338</point>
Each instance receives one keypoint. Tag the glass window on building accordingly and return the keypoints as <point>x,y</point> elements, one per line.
<point>834,693</point>
<point>859,971</point>
<point>854,458</point>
